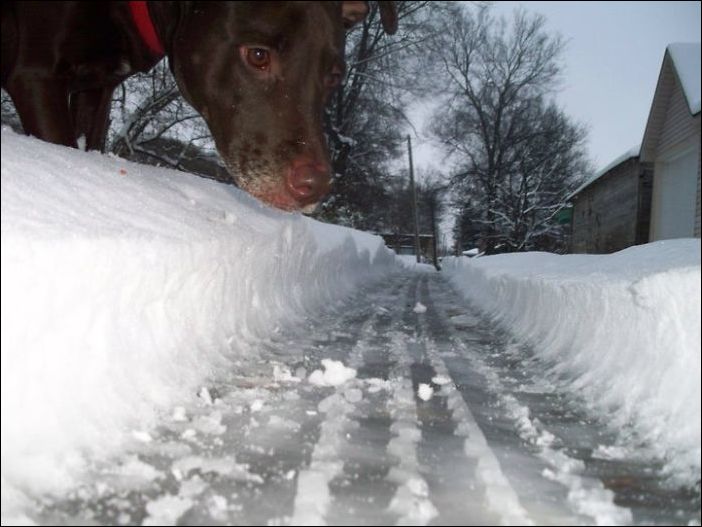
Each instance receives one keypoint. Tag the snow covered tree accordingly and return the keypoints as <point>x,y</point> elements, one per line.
<point>398,216</point>
<point>149,116</point>
<point>517,154</point>
<point>365,116</point>
<point>9,113</point>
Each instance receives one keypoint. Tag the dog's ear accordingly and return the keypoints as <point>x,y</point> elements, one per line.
<point>388,16</point>
<point>354,12</point>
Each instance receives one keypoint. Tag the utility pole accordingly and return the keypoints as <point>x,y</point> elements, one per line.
<point>432,212</point>
<point>417,248</point>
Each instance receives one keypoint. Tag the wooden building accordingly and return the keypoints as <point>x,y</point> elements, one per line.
<point>671,144</point>
<point>611,211</point>
<point>652,192</point>
<point>404,244</point>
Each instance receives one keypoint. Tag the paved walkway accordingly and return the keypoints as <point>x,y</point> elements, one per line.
<point>446,422</point>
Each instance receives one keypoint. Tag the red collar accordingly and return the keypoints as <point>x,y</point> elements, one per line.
<point>142,20</point>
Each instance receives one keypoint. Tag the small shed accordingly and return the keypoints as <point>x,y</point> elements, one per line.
<point>611,211</point>
<point>404,244</point>
<point>671,144</point>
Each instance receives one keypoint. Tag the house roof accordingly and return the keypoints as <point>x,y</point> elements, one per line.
<point>685,61</point>
<point>632,152</point>
<point>686,58</point>
<point>681,66</point>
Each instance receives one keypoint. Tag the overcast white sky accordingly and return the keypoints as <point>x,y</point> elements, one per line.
<point>612,58</point>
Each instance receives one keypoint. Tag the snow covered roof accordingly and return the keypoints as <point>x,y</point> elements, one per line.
<point>686,58</point>
<point>632,152</point>
<point>680,70</point>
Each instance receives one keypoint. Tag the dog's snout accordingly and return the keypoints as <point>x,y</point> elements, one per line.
<point>308,181</point>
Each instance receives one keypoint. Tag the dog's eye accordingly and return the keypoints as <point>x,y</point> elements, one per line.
<point>259,58</point>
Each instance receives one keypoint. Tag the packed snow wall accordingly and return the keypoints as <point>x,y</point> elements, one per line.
<point>622,330</point>
<point>125,287</point>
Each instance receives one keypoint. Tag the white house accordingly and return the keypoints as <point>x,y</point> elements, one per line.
<point>671,143</point>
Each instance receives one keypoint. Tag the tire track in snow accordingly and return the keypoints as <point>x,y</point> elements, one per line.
<point>275,455</point>
<point>244,474</point>
<point>333,337</point>
<point>315,499</point>
<point>411,501</point>
<point>494,492</point>
<point>361,493</point>
<point>587,497</point>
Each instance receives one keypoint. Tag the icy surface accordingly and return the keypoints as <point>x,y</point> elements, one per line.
<point>622,330</point>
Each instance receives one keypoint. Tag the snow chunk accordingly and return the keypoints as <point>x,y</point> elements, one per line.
<point>179,414</point>
<point>142,436</point>
<point>425,392</point>
<point>217,507</point>
<point>282,374</point>
<point>376,385</point>
<point>611,452</point>
<point>441,379</point>
<point>131,474</point>
<point>335,374</point>
<point>204,394</point>
<point>256,405</point>
<point>190,433</point>
<point>166,510</point>
<point>210,424</point>
<point>353,395</point>
<point>419,308</point>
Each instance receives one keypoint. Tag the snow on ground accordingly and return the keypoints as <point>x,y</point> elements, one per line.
<point>125,288</point>
<point>127,291</point>
<point>621,330</point>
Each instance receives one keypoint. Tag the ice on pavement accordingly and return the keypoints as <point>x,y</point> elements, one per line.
<point>621,330</point>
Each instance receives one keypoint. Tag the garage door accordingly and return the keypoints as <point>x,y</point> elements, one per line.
<point>676,183</point>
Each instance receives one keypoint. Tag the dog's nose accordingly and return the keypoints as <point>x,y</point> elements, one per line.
<point>308,181</point>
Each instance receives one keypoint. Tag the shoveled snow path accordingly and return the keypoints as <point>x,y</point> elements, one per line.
<point>491,444</point>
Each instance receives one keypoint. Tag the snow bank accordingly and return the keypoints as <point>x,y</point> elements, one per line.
<point>125,287</point>
<point>623,330</point>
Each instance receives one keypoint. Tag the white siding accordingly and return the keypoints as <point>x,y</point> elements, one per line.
<point>673,214</point>
<point>697,206</point>
<point>678,126</point>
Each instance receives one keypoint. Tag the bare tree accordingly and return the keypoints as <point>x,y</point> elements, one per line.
<point>149,112</point>
<point>365,119</point>
<point>519,155</point>
<point>9,113</point>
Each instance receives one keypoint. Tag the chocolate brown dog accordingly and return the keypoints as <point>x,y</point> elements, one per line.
<point>258,72</point>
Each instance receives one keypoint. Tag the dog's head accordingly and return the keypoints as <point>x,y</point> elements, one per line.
<point>260,73</point>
